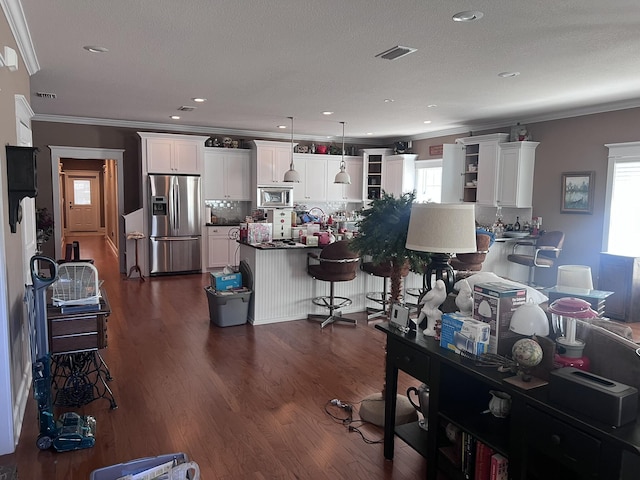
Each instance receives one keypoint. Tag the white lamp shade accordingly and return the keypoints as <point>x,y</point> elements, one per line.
<point>442,228</point>
<point>342,177</point>
<point>291,175</point>
<point>529,319</point>
<point>575,276</point>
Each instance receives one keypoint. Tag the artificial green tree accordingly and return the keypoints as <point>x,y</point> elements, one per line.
<point>382,234</point>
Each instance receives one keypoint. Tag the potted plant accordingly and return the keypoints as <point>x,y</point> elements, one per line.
<point>44,227</point>
<point>382,235</point>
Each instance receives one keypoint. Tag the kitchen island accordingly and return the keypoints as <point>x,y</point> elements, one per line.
<point>283,290</point>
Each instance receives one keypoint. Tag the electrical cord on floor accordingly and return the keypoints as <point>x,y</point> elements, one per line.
<point>348,421</point>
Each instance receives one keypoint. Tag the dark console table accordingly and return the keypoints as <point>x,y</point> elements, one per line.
<point>79,373</point>
<point>541,440</point>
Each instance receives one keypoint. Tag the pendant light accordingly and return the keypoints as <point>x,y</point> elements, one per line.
<point>342,176</point>
<point>291,175</point>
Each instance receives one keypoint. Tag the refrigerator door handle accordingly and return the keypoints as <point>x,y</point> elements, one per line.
<point>176,203</point>
<point>175,239</point>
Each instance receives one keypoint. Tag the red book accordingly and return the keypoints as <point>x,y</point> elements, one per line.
<point>483,461</point>
<point>499,467</point>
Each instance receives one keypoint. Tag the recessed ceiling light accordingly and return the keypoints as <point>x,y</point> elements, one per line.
<point>95,49</point>
<point>432,105</point>
<point>508,74</point>
<point>468,16</point>
<point>199,100</point>
<point>388,100</point>
<point>427,121</point>
<point>327,113</point>
<point>175,117</point>
<point>369,133</point>
<point>282,126</point>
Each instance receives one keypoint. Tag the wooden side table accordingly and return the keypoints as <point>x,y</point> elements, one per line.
<point>136,268</point>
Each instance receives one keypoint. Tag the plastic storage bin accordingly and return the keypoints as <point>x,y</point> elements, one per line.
<point>228,309</point>
<point>135,466</point>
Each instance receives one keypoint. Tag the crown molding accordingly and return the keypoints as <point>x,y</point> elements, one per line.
<point>18,23</point>
<point>190,129</point>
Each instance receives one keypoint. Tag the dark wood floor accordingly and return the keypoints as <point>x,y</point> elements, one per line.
<point>244,402</point>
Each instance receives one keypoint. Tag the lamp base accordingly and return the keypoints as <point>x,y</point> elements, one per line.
<point>440,267</point>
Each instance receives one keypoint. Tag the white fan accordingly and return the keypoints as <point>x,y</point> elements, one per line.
<point>77,284</point>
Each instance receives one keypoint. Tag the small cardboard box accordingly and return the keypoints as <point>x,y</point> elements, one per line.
<point>460,332</point>
<point>494,303</point>
<point>225,281</point>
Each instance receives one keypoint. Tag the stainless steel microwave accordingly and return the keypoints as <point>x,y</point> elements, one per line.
<point>275,196</point>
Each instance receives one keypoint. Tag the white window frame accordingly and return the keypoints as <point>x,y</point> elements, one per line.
<point>618,153</point>
<point>425,164</point>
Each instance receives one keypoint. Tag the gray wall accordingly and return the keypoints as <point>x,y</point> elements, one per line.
<point>569,145</point>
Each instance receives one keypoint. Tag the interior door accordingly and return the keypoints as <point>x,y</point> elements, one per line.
<point>82,194</point>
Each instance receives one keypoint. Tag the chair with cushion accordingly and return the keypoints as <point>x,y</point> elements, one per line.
<point>545,252</point>
<point>384,270</point>
<point>336,263</point>
<point>466,263</point>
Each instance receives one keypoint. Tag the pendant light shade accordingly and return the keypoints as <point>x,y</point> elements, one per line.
<point>291,175</point>
<point>342,176</point>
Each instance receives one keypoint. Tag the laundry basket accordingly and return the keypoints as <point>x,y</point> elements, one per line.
<point>77,284</point>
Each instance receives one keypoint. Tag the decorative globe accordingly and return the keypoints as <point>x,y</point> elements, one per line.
<point>527,352</point>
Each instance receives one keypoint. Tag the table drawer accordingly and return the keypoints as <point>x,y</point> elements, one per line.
<point>410,360</point>
<point>560,441</point>
<point>73,326</point>
<point>74,343</point>
<point>77,333</point>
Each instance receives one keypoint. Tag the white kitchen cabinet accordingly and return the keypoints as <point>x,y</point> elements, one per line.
<point>372,168</point>
<point>227,174</point>
<point>340,192</point>
<point>163,153</point>
<point>399,174</point>
<point>477,170</point>
<point>313,178</point>
<point>272,160</point>
<point>221,249</point>
<point>515,174</point>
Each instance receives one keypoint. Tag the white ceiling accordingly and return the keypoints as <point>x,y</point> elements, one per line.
<point>258,62</point>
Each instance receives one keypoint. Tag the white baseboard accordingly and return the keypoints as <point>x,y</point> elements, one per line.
<point>20,404</point>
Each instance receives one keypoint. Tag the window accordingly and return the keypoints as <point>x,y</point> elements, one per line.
<point>429,181</point>
<point>82,192</point>
<point>622,224</point>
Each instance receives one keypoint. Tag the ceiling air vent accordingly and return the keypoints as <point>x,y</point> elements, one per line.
<point>396,52</point>
<point>51,96</point>
<point>186,108</point>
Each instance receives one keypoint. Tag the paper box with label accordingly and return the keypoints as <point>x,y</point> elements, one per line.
<point>460,332</point>
<point>225,281</point>
<point>494,303</point>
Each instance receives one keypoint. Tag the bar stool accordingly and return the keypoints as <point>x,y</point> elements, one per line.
<point>384,270</point>
<point>336,263</point>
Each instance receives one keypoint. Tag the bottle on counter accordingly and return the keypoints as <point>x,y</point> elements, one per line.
<point>516,226</point>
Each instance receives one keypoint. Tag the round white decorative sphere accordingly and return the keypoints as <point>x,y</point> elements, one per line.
<point>527,352</point>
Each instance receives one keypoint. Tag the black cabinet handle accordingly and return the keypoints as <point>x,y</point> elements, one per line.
<point>555,439</point>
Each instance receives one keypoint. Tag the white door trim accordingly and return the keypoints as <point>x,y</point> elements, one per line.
<point>83,153</point>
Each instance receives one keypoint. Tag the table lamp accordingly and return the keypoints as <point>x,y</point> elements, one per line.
<point>441,229</point>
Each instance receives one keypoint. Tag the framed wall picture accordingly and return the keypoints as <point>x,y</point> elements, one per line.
<point>577,192</point>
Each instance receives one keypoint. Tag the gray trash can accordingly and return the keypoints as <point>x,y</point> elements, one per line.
<point>227,309</point>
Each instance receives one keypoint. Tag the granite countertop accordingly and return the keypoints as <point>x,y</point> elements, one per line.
<point>279,245</point>
<point>223,224</point>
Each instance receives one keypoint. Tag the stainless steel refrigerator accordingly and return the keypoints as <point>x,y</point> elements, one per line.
<point>174,224</point>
